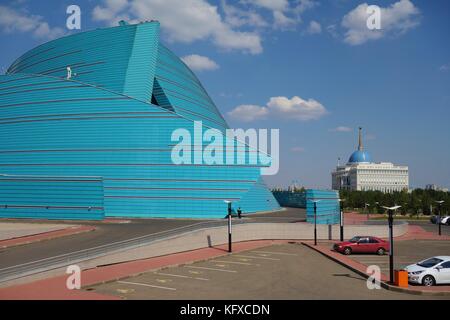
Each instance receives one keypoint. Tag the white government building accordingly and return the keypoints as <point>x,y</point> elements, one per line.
<point>361,174</point>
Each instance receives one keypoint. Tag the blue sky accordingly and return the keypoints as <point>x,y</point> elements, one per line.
<point>310,68</point>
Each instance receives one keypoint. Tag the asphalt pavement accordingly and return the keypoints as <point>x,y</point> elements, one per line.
<point>105,233</point>
<point>288,271</point>
<point>428,226</point>
<point>108,232</point>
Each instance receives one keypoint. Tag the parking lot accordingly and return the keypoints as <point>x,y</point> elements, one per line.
<point>287,271</point>
<point>405,253</point>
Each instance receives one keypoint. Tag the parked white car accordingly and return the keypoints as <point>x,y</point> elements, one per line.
<point>445,220</point>
<point>429,272</point>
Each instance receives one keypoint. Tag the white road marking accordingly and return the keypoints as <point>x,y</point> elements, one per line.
<point>180,276</point>
<point>125,291</point>
<point>281,253</point>
<point>386,260</point>
<point>256,257</point>
<point>235,262</point>
<point>242,259</point>
<point>145,285</point>
<point>195,272</point>
<point>213,269</point>
<point>163,280</point>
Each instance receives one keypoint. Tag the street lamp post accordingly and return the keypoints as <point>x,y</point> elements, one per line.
<point>367,211</point>
<point>341,219</point>
<point>391,241</point>
<point>315,220</point>
<point>229,226</point>
<point>315,223</point>
<point>439,215</point>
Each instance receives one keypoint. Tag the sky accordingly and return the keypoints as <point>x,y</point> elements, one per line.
<point>312,69</point>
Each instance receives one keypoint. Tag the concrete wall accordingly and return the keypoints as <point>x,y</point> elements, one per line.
<point>243,232</point>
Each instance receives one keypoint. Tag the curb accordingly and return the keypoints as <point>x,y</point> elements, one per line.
<point>383,284</point>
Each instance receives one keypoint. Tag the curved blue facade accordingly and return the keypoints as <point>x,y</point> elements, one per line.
<point>113,120</point>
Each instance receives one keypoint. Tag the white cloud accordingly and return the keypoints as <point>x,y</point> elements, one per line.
<point>304,5</point>
<point>110,11</point>
<point>281,21</point>
<point>200,63</point>
<point>295,108</point>
<point>332,30</point>
<point>184,21</point>
<point>396,19</point>
<point>286,14</point>
<point>274,5</point>
<point>237,17</point>
<point>12,20</point>
<point>445,67</point>
<point>314,28</point>
<point>232,40</point>
<point>116,5</point>
<point>341,129</point>
<point>249,112</point>
<point>44,31</point>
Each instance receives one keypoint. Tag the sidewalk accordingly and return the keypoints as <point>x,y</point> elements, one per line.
<point>55,288</point>
<point>45,236</point>
<point>351,218</point>
<point>418,233</point>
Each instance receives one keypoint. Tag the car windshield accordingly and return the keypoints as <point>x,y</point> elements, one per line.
<point>355,239</point>
<point>429,262</point>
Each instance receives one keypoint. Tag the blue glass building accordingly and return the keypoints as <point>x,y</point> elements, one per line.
<point>85,132</point>
<point>327,206</point>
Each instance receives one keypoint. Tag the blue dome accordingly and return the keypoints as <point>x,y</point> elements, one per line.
<point>360,156</point>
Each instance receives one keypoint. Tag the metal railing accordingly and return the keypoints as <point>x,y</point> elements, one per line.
<point>63,260</point>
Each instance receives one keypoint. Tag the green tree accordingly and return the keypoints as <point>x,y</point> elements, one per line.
<point>415,202</point>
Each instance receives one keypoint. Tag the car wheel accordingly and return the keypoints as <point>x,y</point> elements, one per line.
<point>428,281</point>
<point>348,251</point>
<point>381,251</point>
<point>448,222</point>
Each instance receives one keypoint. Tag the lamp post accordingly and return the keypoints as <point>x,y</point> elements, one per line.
<point>341,218</point>
<point>440,202</point>
<point>229,225</point>
<point>391,241</point>
<point>315,223</point>
<point>315,220</point>
<point>366,205</point>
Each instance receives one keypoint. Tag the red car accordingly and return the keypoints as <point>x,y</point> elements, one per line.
<point>362,244</point>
